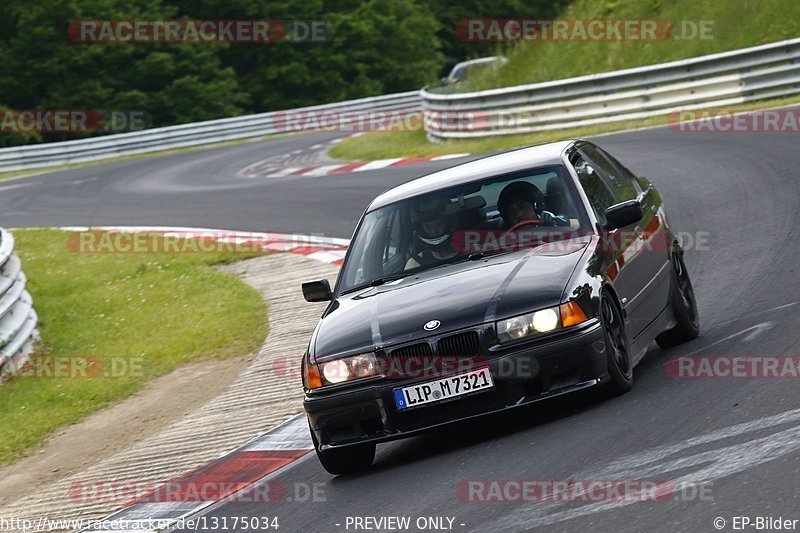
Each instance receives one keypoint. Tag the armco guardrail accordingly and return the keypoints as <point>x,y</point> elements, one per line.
<point>199,133</point>
<point>724,79</point>
<point>17,317</point>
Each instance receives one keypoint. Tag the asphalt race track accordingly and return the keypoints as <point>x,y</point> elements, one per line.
<point>737,193</point>
<point>201,189</point>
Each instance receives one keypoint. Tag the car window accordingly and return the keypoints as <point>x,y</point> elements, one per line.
<point>623,171</point>
<point>619,182</point>
<point>458,73</point>
<point>440,227</point>
<point>393,234</point>
<point>597,189</point>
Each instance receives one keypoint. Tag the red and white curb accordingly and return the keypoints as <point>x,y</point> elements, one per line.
<point>231,477</point>
<point>268,168</point>
<point>324,249</point>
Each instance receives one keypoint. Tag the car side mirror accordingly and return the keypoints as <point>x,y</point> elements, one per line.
<point>623,214</point>
<point>318,290</point>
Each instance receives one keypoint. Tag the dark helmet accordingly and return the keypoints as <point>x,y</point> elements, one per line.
<point>432,223</point>
<point>519,190</point>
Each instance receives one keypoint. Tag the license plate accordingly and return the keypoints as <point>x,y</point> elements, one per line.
<point>442,389</point>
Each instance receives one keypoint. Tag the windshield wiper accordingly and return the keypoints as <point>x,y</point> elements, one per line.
<point>474,256</point>
<point>376,282</point>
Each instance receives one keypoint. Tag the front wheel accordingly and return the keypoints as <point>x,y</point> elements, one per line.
<point>347,460</point>
<point>684,307</point>
<point>618,356</point>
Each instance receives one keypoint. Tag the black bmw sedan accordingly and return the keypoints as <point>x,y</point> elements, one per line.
<point>489,285</point>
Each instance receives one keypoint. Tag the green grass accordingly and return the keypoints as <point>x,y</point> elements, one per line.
<point>736,24</point>
<point>384,145</point>
<point>162,310</point>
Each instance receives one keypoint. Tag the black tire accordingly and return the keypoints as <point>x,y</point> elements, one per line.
<point>684,306</point>
<point>348,460</point>
<point>617,352</point>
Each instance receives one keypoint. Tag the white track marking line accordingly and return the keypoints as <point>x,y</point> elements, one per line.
<point>327,256</point>
<point>757,313</point>
<point>380,163</point>
<point>323,170</point>
<point>448,156</point>
<point>657,463</point>
<point>291,435</point>
<point>755,331</point>
<point>284,172</point>
<point>15,186</point>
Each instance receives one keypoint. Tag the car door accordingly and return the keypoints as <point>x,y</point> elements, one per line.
<point>644,253</point>
<point>618,244</point>
<point>653,240</point>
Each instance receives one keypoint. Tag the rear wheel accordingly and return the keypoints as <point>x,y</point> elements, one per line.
<point>684,306</point>
<point>347,460</point>
<point>618,356</point>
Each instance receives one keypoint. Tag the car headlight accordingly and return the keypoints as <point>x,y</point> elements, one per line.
<point>340,370</point>
<point>541,321</point>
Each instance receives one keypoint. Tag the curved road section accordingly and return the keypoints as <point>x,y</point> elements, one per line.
<point>715,448</point>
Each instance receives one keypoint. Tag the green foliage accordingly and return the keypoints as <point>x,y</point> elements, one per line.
<point>373,47</point>
<point>450,12</point>
<point>41,68</point>
<point>734,24</point>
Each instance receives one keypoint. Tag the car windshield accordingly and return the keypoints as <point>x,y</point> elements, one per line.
<point>463,70</point>
<point>476,219</point>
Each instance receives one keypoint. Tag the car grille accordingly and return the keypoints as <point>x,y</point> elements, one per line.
<point>462,344</point>
<point>422,349</point>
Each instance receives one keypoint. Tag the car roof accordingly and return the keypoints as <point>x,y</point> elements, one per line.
<point>479,169</point>
<point>476,61</point>
<point>472,62</point>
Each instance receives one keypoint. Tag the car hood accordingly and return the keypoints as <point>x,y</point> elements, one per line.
<point>459,296</point>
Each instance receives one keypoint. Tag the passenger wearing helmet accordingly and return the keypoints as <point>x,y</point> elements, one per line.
<point>521,202</point>
<point>433,227</point>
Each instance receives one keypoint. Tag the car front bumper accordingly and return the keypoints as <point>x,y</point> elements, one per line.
<point>522,374</point>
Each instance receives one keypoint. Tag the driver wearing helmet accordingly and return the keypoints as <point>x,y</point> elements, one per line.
<point>434,227</point>
<point>522,202</point>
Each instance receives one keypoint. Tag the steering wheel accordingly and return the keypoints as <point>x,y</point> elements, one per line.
<point>532,222</point>
<point>522,223</point>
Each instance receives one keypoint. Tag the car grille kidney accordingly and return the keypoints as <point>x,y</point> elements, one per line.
<point>461,344</point>
<point>422,349</point>
<point>465,344</point>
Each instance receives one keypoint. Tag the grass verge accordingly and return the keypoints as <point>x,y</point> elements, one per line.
<point>384,145</point>
<point>726,25</point>
<point>140,316</point>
